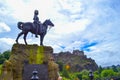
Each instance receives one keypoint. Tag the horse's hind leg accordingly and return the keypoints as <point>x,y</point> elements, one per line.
<point>21,33</point>
<point>25,35</point>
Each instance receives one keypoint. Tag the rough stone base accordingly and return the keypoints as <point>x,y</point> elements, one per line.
<point>35,56</point>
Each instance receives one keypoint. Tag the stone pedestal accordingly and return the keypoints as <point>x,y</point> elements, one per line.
<point>32,55</point>
<point>42,70</point>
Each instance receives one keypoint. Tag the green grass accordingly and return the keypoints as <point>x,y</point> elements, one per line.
<point>0,69</point>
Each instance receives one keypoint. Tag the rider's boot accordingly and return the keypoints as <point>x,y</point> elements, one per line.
<point>36,35</point>
<point>36,31</point>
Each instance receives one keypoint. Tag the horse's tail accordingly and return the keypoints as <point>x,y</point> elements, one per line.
<point>20,25</point>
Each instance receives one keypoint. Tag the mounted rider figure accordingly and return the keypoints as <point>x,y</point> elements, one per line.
<point>36,22</point>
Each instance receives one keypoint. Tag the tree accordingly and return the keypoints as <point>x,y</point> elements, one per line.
<point>114,68</point>
<point>2,60</point>
<point>85,74</point>
<point>6,54</point>
<point>60,65</point>
<point>79,75</point>
<point>100,69</point>
<point>107,73</point>
<point>65,73</point>
<point>1,56</point>
<point>96,75</point>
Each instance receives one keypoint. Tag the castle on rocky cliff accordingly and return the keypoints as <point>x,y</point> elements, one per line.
<point>77,60</point>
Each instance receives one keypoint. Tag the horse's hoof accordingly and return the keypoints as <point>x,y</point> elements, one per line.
<point>17,42</point>
<point>41,45</point>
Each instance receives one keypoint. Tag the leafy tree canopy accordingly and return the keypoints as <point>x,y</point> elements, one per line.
<point>4,56</point>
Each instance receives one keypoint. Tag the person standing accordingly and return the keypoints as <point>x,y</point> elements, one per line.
<point>91,76</point>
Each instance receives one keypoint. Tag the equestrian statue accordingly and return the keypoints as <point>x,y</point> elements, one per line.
<point>35,27</point>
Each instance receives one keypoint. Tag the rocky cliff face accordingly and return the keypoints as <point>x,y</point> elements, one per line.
<point>76,60</point>
<point>34,56</point>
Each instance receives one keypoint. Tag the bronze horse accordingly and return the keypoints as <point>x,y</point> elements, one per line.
<point>30,27</point>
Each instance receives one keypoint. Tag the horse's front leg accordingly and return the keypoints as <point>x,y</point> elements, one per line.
<point>41,39</point>
<point>25,35</point>
<point>21,33</point>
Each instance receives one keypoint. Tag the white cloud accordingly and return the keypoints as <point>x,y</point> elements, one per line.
<point>6,44</point>
<point>4,27</point>
<point>9,41</point>
<point>71,5</point>
<point>24,11</point>
<point>71,27</point>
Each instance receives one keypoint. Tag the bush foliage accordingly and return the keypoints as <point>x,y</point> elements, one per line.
<point>4,56</point>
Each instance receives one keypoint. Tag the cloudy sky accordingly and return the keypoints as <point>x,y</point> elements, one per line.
<point>89,25</point>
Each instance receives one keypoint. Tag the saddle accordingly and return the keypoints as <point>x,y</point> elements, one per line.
<point>38,26</point>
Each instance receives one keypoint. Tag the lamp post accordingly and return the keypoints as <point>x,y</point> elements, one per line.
<point>34,76</point>
<point>91,76</point>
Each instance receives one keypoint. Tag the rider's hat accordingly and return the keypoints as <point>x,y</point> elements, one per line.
<point>36,12</point>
